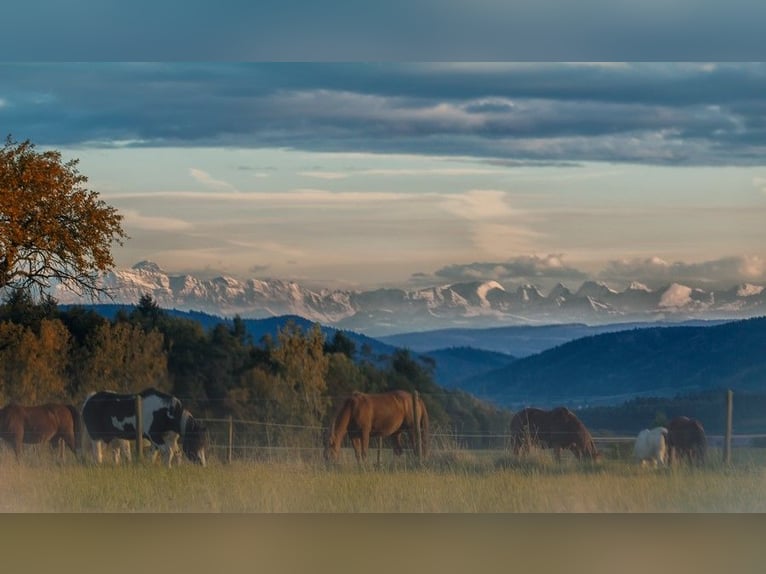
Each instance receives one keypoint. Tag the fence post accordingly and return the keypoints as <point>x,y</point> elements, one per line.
<point>729,416</point>
<point>230,443</point>
<point>416,421</point>
<point>139,430</point>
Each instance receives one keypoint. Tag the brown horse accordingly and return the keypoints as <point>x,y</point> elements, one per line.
<point>375,415</point>
<point>39,424</point>
<point>686,437</point>
<point>557,429</point>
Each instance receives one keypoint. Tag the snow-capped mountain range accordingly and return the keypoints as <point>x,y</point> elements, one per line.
<point>386,311</point>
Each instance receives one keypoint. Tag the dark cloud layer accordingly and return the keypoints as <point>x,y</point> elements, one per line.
<point>690,114</point>
<point>397,30</point>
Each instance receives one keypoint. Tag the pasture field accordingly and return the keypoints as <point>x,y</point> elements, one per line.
<point>449,482</point>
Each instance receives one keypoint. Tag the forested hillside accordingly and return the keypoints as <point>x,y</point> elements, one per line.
<point>613,367</point>
<point>295,377</point>
<point>749,413</point>
<point>455,364</point>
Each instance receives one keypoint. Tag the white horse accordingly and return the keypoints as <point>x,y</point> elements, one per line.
<point>651,447</point>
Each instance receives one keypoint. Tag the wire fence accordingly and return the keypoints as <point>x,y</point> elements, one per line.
<point>248,440</point>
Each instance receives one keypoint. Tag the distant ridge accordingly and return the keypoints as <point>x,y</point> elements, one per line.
<point>520,340</point>
<point>610,368</point>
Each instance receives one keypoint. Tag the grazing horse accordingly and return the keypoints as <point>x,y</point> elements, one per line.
<point>651,447</point>
<point>40,424</point>
<point>557,429</point>
<point>365,415</point>
<point>108,416</point>
<point>686,437</point>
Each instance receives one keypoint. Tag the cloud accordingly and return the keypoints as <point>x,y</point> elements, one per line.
<point>656,271</point>
<point>479,204</point>
<point>207,180</point>
<point>259,269</point>
<point>449,171</point>
<point>690,114</point>
<point>302,197</point>
<point>495,227</point>
<point>483,30</point>
<point>526,268</point>
<point>135,220</point>
<point>324,174</point>
<point>653,271</point>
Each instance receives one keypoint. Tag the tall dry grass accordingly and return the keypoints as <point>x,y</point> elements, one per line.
<point>450,481</point>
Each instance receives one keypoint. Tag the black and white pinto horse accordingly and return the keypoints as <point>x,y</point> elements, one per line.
<point>109,416</point>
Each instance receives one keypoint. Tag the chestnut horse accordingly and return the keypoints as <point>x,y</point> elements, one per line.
<point>557,429</point>
<point>39,424</point>
<point>365,415</point>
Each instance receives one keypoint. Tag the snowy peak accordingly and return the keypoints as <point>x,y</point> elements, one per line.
<point>595,289</point>
<point>636,286</point>
<point>148,266</point>
<point>528,293</point>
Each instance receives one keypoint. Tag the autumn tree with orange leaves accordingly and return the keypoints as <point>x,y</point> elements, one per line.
<point>52,228</point>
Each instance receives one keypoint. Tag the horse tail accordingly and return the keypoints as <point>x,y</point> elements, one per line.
<point>424,427</point>
<point>76,429</point>
<point>339,425</point>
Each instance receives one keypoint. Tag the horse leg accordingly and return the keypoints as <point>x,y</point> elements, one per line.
<point>356,442</point>
<point>96,445</point>
<point>125,448</point>
<point>70,441</point>
<point>167,454</point>
<point>365,443</point>
<point>557,453</point>
<point>18,445</point>
<point>397,440</point>
<point>57,446</point>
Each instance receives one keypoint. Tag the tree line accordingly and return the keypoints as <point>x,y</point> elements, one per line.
<point>296,378</point>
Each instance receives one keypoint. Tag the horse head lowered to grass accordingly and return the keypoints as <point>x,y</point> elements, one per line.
<point>686,439</point>
<point>108,416</point>
<point>21,425</point>
<point>364,415</point>
<point>559,429</point>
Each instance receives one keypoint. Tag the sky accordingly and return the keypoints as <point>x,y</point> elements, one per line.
<point>364,175</point>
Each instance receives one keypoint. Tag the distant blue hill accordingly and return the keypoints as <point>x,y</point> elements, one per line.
<point>256,328</point>
<point>458,363</point>
<point>520,340</point>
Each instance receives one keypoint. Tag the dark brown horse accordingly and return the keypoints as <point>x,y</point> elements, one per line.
<point>557,429</point>
<point>40,424</point>
<point>376,415</point>
<point>686,437</point>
